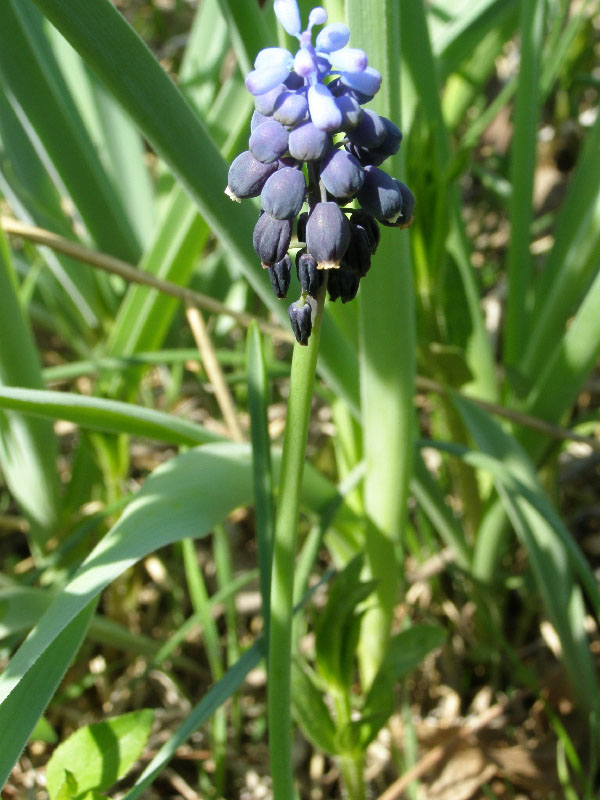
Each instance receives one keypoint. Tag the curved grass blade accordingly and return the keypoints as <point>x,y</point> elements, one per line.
<point>543,535</point>
<point>27,447</point>
<point>387,357</point>
<point>111,416</point>
<point>33,79</point>
<point>522,164</point>
<point>18,712</point>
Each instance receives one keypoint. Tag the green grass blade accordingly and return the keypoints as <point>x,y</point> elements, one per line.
<point>551,561</point>
<point>32,77</point>
<point>572,262</point>
<point>387,354</point>
<point>249,30</point>
<point>33,197</point>
<point>212,700</point>
<point>203,56</point>
<point>423,69</point>
<point>110,416</point>
<point>27,447</point>
<point>567,368</point>
<point>430,498</point>
<point>119,145</point>
<point>23,708</point>
<point>258,394</point>
<point>522,165</point>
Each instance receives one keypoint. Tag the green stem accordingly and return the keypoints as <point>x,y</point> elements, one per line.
<point>304,364</point>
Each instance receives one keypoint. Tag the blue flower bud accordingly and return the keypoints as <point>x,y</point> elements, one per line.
<point>269,141</point>
<point>388,147</point>
<point>280,275</point>
<point>247,176</point>
<point>271,238</point>
<point>294,81</point>
<point>304,62</point>
<point>370,131</point>
<point>341,173</point>
<point>265,103</point>
<point>256,120</point>
<point>282,195</point>
<point>308,143</point>
<point>360,219</point>
<point>349,59</point>
<point>327,235</point>
<point>405,220</point>
<point>333,37</point>
<point>288,15</point>
<point>368,81</point>
<point>273,57</point>
<point>290,108</point>
<point>311,278</point>
<point>317,16</point>
<point>301,320</point>
<point>380,195</point>
<point>343,284</point>
<point>266,78</point>
<point>357,257</point>
<point>351,111</point>
<point>323,111</point>
<point>301,226</point>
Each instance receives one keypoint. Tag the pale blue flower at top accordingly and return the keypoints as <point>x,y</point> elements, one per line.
<point>326,65</point>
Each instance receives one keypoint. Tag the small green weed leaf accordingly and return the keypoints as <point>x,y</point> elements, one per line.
<point>338,625</point>
<point>68,787</point>
<point>310,711</point>
<point>406,651</point>
<point>44,732</point>
<point>98,755</point>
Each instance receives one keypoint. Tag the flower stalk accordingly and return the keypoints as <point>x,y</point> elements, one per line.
<point>302,377</point>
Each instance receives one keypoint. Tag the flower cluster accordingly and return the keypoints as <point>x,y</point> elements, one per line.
<point>312,142</point>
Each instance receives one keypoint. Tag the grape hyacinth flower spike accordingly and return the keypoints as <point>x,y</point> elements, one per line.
<point>313,145</point>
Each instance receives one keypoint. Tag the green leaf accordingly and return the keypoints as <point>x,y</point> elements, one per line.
<point>44,732</point>
<point>98,755</point>
<point>33,78</point>
<point>310,711</point>
<point>552,553</point>
<point>20,711</point>
<point>68,787</point>
<point>186,497</point>
<point>338,625</point>
<point>27,446</point>
<point>111,416</point>
<point>406,652</point>
<point>387,351</point>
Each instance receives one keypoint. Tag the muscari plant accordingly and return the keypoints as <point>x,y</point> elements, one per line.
<point>309,119</point>
<point>48,97</point>
<point>312,142</point>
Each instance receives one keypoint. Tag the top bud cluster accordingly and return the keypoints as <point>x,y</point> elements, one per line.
<point>309,112</point>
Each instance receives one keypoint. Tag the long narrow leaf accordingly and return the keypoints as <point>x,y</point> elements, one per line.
<point>27,447</point>
<point>387,355</point>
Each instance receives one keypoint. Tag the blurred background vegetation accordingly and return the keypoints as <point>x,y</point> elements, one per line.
<point>496,546</point>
